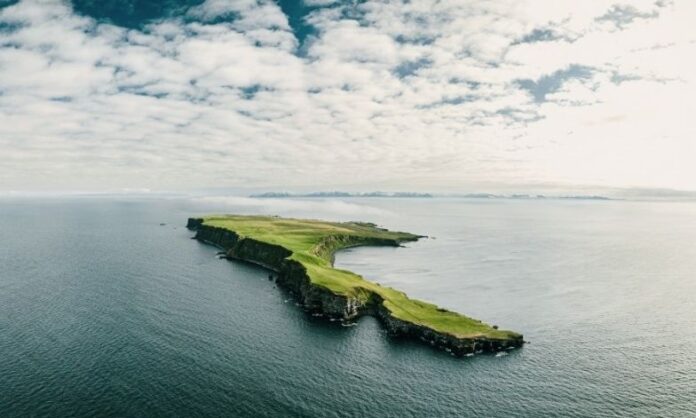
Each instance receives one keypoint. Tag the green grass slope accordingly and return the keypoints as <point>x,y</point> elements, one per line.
<point>313,243</point>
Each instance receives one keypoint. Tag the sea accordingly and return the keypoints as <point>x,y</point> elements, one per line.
<point>109,308</point>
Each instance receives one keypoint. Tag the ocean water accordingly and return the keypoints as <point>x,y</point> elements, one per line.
<point>105,312</point>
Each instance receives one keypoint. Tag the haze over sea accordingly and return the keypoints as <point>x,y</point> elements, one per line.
<point>104,311</point>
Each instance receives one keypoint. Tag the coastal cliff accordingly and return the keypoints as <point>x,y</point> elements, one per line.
<point>293,276</point>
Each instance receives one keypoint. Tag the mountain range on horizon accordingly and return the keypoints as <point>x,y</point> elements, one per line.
<point>330,194</point>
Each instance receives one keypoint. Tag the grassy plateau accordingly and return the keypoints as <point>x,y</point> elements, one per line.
<point>313,243</point>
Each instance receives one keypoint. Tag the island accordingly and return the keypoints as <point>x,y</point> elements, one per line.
<point>301,254</point>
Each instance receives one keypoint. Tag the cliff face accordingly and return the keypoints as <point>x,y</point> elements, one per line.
<point>317,299</point>
<point>293,276</point>
<point>457,346</point>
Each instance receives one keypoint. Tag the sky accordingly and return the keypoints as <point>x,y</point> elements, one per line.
<point>446,95</point>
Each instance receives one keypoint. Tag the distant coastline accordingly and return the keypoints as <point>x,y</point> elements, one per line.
<point>342,194</point>
<point>284,195</point>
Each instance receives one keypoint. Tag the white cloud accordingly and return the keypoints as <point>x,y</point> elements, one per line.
<point>428,94</point>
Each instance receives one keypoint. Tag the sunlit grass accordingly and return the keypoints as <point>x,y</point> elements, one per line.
<point>313,243</point>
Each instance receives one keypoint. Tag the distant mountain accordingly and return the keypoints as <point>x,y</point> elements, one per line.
<point>272,194</point>
<point>342,194</point>
<point>280,195</point>
<point>527,196</point>
<point>585,197</point>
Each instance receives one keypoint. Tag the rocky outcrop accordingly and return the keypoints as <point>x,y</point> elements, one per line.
<point>457,346</point>
<point>292,276</point>
<point>317,299</point>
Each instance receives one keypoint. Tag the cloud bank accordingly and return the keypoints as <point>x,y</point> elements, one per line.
<point>438,95</point>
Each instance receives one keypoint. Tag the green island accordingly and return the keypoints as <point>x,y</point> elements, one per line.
<point>302,253</point>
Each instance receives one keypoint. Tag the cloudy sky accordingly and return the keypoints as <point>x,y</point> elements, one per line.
<point>412,95</point>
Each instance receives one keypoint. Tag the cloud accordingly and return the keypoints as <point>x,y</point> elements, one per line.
<point>431,94</point>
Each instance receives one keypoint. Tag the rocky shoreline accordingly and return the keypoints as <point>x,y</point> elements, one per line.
<point>316,299</point>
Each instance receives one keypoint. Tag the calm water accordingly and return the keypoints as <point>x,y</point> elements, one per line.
<point>103,311</point>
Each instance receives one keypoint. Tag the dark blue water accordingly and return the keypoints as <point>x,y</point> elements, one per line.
<point>103,311</point>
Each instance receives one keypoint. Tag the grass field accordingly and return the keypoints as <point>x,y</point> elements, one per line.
<point>313,243</point>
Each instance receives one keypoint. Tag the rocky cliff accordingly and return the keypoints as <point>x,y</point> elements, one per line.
<point>293,276</point>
